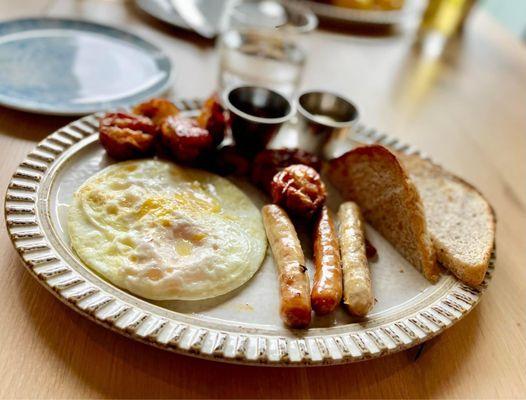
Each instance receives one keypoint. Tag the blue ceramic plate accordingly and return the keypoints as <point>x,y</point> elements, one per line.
<point>68,67</point>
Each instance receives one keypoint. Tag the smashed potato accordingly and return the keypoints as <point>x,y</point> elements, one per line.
<point>126,136</point>
<point>212,118</point>
<point>156,109</point>
<point>228,160</point>
<point>184,139</point>
<point>299,189</point>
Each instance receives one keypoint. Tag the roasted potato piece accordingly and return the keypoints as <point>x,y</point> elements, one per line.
<point>269,162</point>
<point>299,189</point>
<point>229,161</point>
<point>156,109</point>
<point>184,139</point>
<point>126,136</point>
<point>212,118</point>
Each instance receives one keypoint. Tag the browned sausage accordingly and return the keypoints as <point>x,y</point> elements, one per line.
<point>295,307</point>
<point>357,291</point>
<point>327,288</point>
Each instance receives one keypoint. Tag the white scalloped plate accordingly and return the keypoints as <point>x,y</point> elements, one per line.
<point>241,327</point>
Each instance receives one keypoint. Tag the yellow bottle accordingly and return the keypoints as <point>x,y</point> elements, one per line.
<point>445,16</point>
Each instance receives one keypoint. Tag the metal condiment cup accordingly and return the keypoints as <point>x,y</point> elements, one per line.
<point>322,115</point>
<point>256,114</point>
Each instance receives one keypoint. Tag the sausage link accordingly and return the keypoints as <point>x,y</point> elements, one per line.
<point>327,288</point>
<point>357,291</point>
<point>295,307</point>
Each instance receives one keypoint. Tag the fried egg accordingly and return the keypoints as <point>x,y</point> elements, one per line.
<point>165,232</point>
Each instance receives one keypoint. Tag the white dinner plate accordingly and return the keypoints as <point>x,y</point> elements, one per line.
<point>242,326</point>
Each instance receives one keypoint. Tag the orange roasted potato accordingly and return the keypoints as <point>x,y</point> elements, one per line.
<point>299,189</point>
<point>126,136</point>
<point>185,140</point>
<point>212,118</point>
<point>156,109</point>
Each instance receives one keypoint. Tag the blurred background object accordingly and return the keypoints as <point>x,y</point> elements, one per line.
<point>510,13</point>
<point>441,20</point>
<point>71,67</point>
<point>261,45</point>
<point>211,11</point>
<point>378,13</point>
<point>385,5</point>
<point>446,17</point>
<point>209,18</point>
<point>196,19</point>
<point>259,57</point>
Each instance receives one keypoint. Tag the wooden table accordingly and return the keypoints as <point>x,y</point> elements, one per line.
<point>468,110</point>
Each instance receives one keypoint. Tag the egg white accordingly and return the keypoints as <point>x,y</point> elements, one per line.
<point>166,232</point>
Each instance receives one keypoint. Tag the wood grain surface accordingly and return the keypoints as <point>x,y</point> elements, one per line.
<point>467,110</point>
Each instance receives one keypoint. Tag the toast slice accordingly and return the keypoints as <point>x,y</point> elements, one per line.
<point>461,222</point>
<point>373,177</point>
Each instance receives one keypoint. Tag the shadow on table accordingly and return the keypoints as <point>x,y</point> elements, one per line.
<point>29,126</point>
<point>117,367</point>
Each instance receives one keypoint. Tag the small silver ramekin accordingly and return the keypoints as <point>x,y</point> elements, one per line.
<point>322,115</point>
<point>256,114</point>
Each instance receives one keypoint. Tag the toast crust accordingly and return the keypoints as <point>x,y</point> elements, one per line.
<point>461,221</point>
<point>374,178</point>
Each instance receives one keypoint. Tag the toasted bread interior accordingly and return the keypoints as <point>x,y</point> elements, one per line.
<point>460,221</point>
<point>373,177</point>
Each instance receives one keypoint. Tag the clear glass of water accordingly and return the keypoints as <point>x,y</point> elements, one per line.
<point>261,45</point>
<point>260,57</point>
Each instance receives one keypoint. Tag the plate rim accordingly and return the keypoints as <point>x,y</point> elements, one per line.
<point>24,217</point>
<point>137,40</point>
<point>368,17</point>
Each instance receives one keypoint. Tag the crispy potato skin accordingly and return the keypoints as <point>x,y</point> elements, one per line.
<point>125,136</point>
<point>212,118</point>
<point>228,160</point>
<point>185,141</point>
<point>156,109</point>
<point>327,287</point>
<point>295,305</point>
<point>299,189</point>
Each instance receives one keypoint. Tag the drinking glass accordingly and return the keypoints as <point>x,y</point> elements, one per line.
<point>261,46</point>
